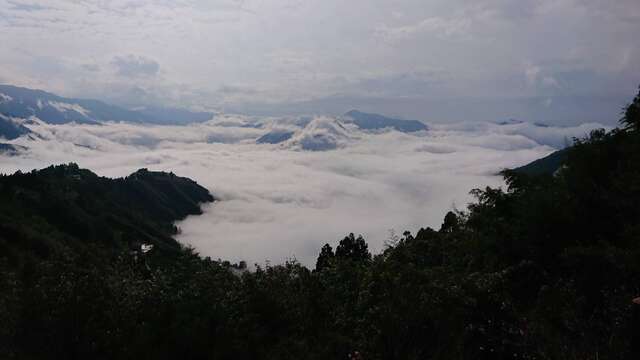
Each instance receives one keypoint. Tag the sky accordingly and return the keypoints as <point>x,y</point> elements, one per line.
<point>557,61</point>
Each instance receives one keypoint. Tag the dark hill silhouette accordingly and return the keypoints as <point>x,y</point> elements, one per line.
<point>64,206</point>
<point>546,165</point>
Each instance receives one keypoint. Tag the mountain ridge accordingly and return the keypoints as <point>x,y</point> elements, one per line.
<point>547,165</point>
<point>370,121</point>
<point>23,103</point>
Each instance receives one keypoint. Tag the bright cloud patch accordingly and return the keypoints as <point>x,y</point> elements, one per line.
<point>62,107</point>
<point>5,98</point>
<point>279,201</point>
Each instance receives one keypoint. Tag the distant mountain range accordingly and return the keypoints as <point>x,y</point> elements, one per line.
<point>275,137</point>
<point>327,133</point>
<point>22,103</point>
<point>18,105</point>
<point>368,121</point>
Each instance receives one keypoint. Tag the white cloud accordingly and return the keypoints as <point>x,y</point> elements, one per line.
<point>278,202</point>
<point>5,98</point>
<point>63,107</point>
<point>323,133</point>
<point>532,72</point>
<point>536,77</point>
<point>436,26</point>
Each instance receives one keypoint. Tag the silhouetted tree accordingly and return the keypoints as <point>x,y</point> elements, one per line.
<point>450,223</point>
<point>631,118</point>
<point>325,258</point>
<point>352,248</point>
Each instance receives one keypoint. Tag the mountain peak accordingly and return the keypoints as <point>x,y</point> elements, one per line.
<point>369,121</point>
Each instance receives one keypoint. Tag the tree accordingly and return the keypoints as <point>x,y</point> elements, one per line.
<point>450,223</point>
<point>631,118</point>
<point>353,248</point>
<point>325,258</point>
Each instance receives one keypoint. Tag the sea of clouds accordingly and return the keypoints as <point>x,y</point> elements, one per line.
<point>284,201</point>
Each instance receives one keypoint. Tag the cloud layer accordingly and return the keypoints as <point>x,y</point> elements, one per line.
<point>279,201</point>
<point>227,53</point>
<point>135,66</point>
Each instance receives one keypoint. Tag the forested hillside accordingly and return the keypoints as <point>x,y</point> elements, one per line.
<point>71,212</point>
<point>547,268</point>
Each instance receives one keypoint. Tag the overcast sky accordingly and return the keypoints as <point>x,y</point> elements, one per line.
<point>547,60</point>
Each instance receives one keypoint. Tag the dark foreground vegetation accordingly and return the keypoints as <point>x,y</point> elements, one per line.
<point>546,269</point>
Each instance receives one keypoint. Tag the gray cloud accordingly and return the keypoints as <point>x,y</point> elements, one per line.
<point>237,54</point>
<point>27,7</point>
<point>91,67</point>
<point>439,27</point>
<point>135,66</point>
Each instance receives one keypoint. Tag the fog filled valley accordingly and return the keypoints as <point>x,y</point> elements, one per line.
<point>258,258</point>
<point>320,179</point>
<point>283,197</point>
